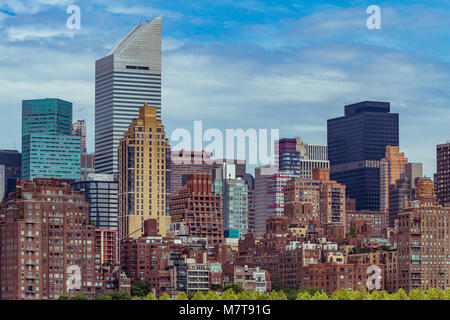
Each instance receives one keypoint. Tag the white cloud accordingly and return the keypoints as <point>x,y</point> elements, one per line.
<point>35,33</point>
<point>32,6</point>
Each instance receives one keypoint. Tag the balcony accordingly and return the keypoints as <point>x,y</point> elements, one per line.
<point>30,276</point>
<point>30,263</point>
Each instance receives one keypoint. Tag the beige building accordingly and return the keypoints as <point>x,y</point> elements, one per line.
<point>143,175</point>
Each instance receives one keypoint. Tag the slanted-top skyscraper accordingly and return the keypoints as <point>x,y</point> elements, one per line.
<point>125,79</point>
<point>356,144</point>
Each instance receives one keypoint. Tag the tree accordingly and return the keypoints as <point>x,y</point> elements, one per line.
<point>120,295</point>
<point>63,298</point>
<point>79,297</point>
<point>149,296</point>
<point>342,294</point>
<point>277,285</point>
<point>278,295</point>
<point>248,295</point>
<point>212,295</point>
<point>320,295</point>
<point>165,296</point>
<point>417,294</point>
<point>104,297</point>
<point>400,295</point>
<point>436,294</point>
<point>303,295</point>
<point>198,296</point>
<point>182,296</point>
<point>237,288</point>
<point>140,288</point>
<point>229,295</point>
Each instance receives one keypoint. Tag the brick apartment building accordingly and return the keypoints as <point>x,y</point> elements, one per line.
<point>46,235</point>
<point>196,205</point>
<point>423,241</point>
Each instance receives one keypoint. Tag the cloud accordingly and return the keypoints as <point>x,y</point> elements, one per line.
<point>32,6</point>
<point>297,90</point>
<point>141,11</point>
<point>36,33</point>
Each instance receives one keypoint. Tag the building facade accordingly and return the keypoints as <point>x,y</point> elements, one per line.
<point>101,192</point>
<point>200,208</point>
<point>126,78</point>
<point>48,148</point>
<point>143,174</point>
<point>11,162</point>
<point>356,144</point>
<point>46,240</point>
<point>423,241</point>
<point>443,174</point>
<point>79,130</point>
<point>392,167</point>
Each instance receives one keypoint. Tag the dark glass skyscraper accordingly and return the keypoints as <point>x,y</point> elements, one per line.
<point>356,144</point>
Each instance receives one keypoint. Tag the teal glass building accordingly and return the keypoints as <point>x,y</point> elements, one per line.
<point>48,148</point>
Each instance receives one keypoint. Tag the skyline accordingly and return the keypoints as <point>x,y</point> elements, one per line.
<point>278,57</point>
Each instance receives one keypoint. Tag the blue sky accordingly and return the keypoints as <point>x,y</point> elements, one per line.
<point>242,64</point>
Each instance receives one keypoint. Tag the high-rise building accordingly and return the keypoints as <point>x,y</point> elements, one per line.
<point>196,205</point>
<point>250,181</point>
<point>402,190</point>
<point>183,163</point>
<point>48,148</point>
<point>299,158</point>
<point>101,192</point>
<point>79,130</point>
<point>392,167</point>
<point>320,199</point>
<point>144,163</point>
<point>234,193</point>
<point>443,174</point>
<point>356,144</point>
<point>11,162</point>
<point>288,155</point>
<point>269,197</point>
<point>423,241</point>
<point>126,78</point>
<point>87,165</point>
<point>46,239</point>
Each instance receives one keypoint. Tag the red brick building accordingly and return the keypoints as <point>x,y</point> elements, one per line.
<point>201,209</point>
<point>331,277</point>
<point>106,245</point>
<point>46,240</point>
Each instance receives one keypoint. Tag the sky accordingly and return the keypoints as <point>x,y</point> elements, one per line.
<point>287,65</point>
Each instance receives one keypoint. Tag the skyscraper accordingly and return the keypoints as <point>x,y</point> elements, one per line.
<point>392,167</point>
<point>269,197</point>
<point>79,130</point>
<point>143,175</point>
<point>299,158</point>
<point>11,162</point>
<point>48,148</point>
<point>356,144</point>
<point>101,194</point>
<point>126,78</point>
<point>234,193</point>
<point>443,174</point>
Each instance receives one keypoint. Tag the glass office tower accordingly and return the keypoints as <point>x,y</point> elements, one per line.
<point>48,148</point>
<point>128,77</point>
<point>356,144</point>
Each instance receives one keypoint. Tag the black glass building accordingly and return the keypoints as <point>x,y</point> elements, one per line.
<point>356,144</point>
<point>102,196</point>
